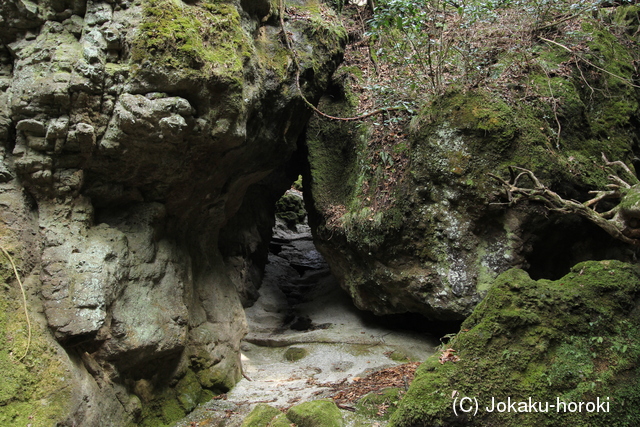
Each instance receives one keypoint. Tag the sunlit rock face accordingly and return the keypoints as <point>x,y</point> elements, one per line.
<point>131,133</point>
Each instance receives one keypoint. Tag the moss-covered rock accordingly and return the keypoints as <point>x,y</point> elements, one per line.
<point>573,339</point>
<point>36,386</point>
<point>280,421</point>
<point>290,208</point>
<point>184,105</point>
<point>189,391</point>
<point>261,416</point>
<point>293,354</point>
<point>205,38</point>
<point>412,222</point>
<point>317,413</point>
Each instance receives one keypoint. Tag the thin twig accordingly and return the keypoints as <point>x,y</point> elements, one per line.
<point>24,301</point>
<point>555,108</point>
<point>588,62</point>
<point>560,21</point>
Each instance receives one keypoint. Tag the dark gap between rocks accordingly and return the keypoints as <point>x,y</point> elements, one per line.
<point>561,241</point>
<point>291,249</point>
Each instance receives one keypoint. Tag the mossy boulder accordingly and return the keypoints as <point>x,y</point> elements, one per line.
<point>317,413</point>
<point>293,354</point>
<point>290,208</point>
<point>569,340</point>
<point>412,221</point>
<point>261,416</point>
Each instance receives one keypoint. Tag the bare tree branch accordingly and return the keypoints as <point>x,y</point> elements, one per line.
<point>621,222</point>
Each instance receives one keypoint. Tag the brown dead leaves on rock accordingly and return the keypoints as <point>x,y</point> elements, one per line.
<point>448,355</point>
<point>398,376</point>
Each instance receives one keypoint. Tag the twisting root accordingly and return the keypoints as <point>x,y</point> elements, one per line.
<point>24,301</point>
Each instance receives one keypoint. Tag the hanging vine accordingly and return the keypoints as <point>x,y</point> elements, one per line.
<point>24,301</point>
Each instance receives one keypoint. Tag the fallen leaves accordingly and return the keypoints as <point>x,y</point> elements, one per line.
<point>397,376</point>
<point>448,356</point>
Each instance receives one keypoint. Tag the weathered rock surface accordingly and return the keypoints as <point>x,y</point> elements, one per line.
<point>305,337</point>
<point>407,216</point>
<point>132,133</point>
<point>563,347</point>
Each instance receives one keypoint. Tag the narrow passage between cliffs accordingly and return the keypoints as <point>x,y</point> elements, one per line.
<point>307,340</point>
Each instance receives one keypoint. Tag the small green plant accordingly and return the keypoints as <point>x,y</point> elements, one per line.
<point>433,44</point>
<point>386,158</point>
<point>509,354</point>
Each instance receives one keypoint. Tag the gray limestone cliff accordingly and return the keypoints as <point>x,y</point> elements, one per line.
<point>139,143</point>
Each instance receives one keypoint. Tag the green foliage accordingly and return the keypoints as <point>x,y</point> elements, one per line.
<point>433,44</point>
<point>412,36</point>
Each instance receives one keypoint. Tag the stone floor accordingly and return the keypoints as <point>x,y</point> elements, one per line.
<point>302,306</point>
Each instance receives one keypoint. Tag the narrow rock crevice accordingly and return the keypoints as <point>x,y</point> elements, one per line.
<point>304,333</point>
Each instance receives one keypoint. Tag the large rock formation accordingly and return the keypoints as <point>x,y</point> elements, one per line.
<point>132,133</point>
<point>538,353</point>
<point>407,215</point>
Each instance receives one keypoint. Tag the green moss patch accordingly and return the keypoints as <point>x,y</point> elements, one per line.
<point>380,405</point>
<point>35,390</point>
<point>574,339</point>
<point>318,413</point>
<point>398,356</point>
<point>480,114</point>
<point>261,416</point>
<point>166,404</point>
<point>206,37</point>
<point>293,354</point>
<point>290,208</point>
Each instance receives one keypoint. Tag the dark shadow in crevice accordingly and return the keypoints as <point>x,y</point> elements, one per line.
<point>561,241</point>
<point>413,322</point>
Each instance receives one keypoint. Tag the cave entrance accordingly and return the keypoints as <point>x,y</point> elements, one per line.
<point>300,278</point>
